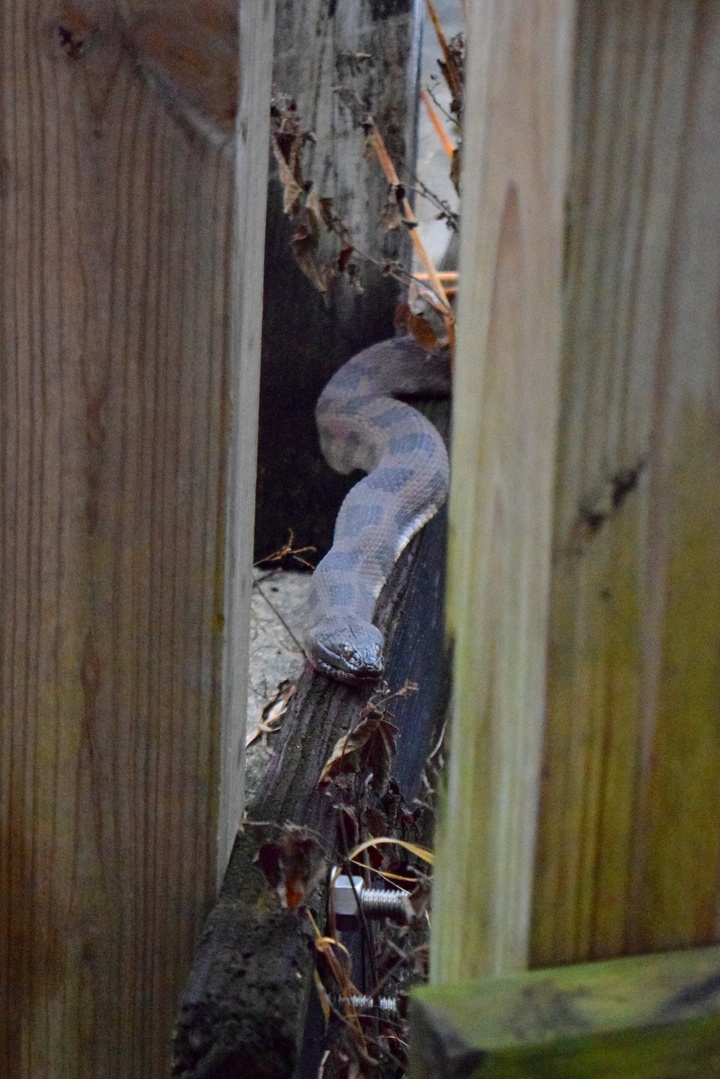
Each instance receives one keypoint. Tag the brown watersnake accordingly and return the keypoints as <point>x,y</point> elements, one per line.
<point>363,425</point>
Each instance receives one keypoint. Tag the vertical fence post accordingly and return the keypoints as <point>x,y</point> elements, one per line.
<point>629,842</point>
<point>115,387</point>
<point>517,118</point>
<point>257,22</point>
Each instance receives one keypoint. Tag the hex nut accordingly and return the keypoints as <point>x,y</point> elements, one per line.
<point>345,899</point>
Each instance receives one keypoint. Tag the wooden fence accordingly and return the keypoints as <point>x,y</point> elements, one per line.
<point>584,793</point>
<point>128,401</point>
<point>583,797</point>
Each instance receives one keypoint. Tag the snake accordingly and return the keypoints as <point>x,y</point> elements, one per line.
<point>365,422</point>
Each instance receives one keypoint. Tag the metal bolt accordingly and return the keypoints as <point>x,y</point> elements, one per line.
<point>374,902</point>
<point>361,1002</point>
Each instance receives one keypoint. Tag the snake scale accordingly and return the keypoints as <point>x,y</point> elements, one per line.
<point>363,425</point>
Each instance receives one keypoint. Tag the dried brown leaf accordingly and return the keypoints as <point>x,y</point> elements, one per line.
<point>421,331</point>
<point>326,209</point>
<point>293,865</point>
<point>273,711</point>
<point>344,256</point>
<point>375,821</point>
<point>314,208</point>
<point>305,248</point>
<point>366,749</point>
<point>391,217</point>
<point>291,188</point>
<point>455,167</point>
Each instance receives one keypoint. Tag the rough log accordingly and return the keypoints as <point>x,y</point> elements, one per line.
<point>236,1001</point>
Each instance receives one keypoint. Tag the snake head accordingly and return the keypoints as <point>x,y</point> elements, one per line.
<point>350,652</point>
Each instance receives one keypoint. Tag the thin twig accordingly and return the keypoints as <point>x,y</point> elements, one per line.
<point>430,91</point>
<point>451,216</point>
<point>399,962</point>
<point>393,178</point>
<point>394,270</point>
<point>288,551</point>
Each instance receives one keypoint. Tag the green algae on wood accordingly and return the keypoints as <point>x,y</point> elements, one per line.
<point>646,1017</point>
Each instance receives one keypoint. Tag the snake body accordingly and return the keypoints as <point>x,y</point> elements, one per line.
<point>363,425</point>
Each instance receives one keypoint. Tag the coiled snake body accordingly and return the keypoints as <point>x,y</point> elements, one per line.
<point>363,426</point>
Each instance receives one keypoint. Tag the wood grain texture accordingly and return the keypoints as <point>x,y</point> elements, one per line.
<point>189,50</point>
<point>643,1018</point>
<point>306,338</point>
<point>517,123</point>
<point>114,395</point>
<point>629,843</point>
<point>251,182</point>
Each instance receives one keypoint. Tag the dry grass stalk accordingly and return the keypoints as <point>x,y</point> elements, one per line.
<point>450,72</point>
<point>437,124</point>
<point>448,277</point>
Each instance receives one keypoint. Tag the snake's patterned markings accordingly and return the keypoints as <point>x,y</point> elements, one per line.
<point>363,426</point>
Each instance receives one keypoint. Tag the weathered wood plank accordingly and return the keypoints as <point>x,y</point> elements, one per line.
<point>646,1017</point>
<point>629,841</point>
<point>114,271</point>
<point>251,177</point>
<point>517,124</point>
<point>306,338</point>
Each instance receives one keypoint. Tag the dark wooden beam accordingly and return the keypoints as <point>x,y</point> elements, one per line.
<point>244,1008</point>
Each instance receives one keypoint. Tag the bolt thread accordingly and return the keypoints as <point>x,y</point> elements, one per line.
<point>383,901</point>
<point>362,1002</point>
